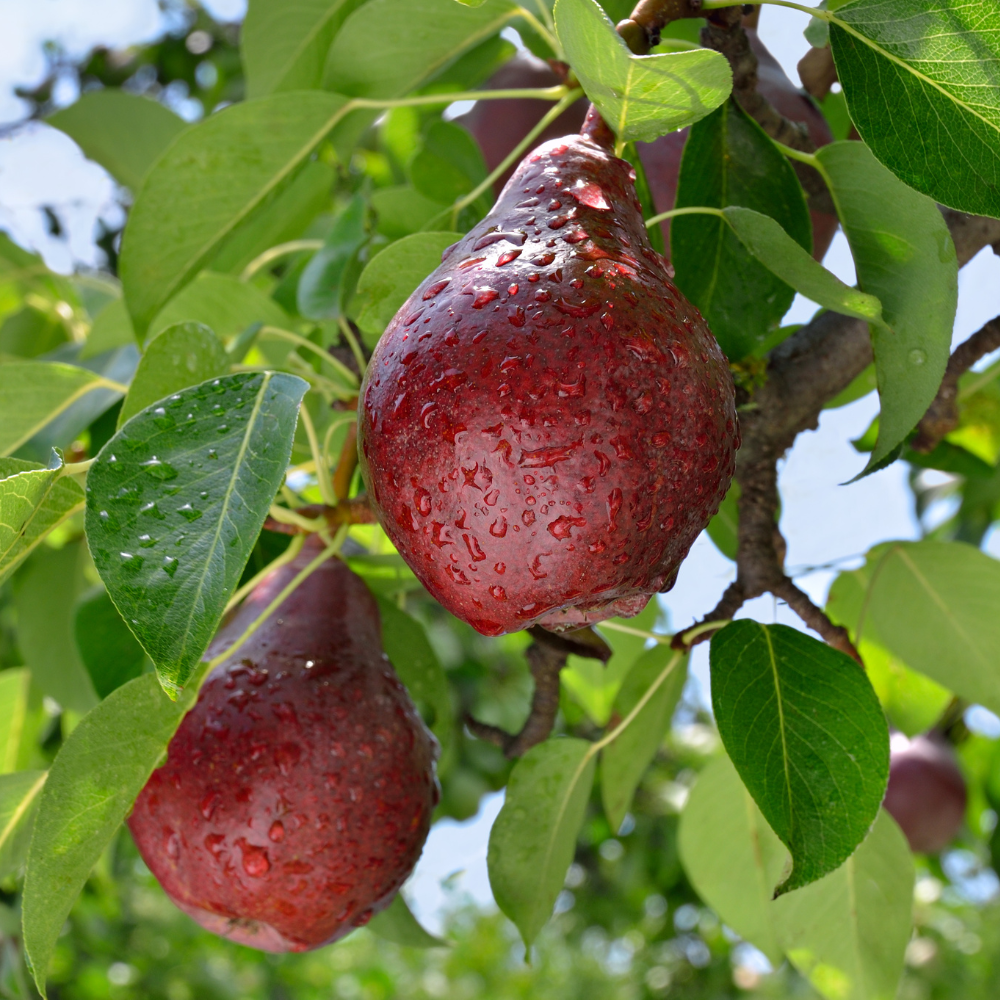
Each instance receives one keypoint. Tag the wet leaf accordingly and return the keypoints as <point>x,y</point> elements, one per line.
<point>94,780</point>
<point>33,501</point>
<point>175,502</point>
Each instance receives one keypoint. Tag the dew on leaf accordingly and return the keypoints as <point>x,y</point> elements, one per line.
<point>188,512</point>
<point>162,419</point>
<point>159,470</point>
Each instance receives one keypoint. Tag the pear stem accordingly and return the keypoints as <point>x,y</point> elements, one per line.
<point>276,253</point>
<point>348,462</point>
<point>294,338</point>
<point>322,472</point>
<point>691,210</point>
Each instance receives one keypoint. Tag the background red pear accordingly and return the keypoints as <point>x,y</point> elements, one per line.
<point>298,792</point>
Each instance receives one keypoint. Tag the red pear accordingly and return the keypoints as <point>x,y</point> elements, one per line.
<point>926,794</point>
<point>661,159</point>
<point>547,423</point>
<point>297,793</point>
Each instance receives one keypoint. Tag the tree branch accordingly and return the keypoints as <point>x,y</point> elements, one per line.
<point>804,372</point>
<point>942,415</point>
<point>724,33</point>
<point>641,29</point>
<point>546,656</point>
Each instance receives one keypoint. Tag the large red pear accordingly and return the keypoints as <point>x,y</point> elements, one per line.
<point>547,423</point>
<point>297,793</point>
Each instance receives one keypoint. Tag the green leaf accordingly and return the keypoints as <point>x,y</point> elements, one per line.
<point>905,256</point>
<point>921,82</point>
<point>448,165</point>
<point>215,177</point>
<point>934,605</point>
<point>386,283</point>
<point>321,293</point>
<point>285,217</point>
<point>125,133</point>
<point>175,501</point>
<point>863,384</point>
<point>414,660</point>
<point>417,39</point>
<point>112,327</point>
<point>847,933</point>
<point>625,759</point>
<point>18,264</point>
<point>46,593</point>
<point>806,734</point>
<point>94,780</point>
<point>34,393</point>
<point>780,254</point>
<point>33,501</point>
<point>727,161</point>
<point>533,840</point>
<point>397,924</point>
<point>402,210</point>
<point>284,45</point>
<point>912,701</point>
<point>14,685</point>
<point>594,685</point>
<point>111,654</point>
<point>18,803</point>
<point>834,108</point>
<point>179,356</point>
<point>385,575</point>
<point>732,857</point>
<point>30,332</point>
<point>221,302</point>
<point>724,526</point>
<point>640,97</point>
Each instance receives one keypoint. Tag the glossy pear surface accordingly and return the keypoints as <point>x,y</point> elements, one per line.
<point>547,424</point>
<point>297,793</point>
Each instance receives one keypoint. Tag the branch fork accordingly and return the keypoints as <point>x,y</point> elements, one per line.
<point>546,657</point>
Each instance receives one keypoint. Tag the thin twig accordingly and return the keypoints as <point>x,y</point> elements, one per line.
<point>942,415</point>
<point>725,34</point>
<point>317,517</point>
